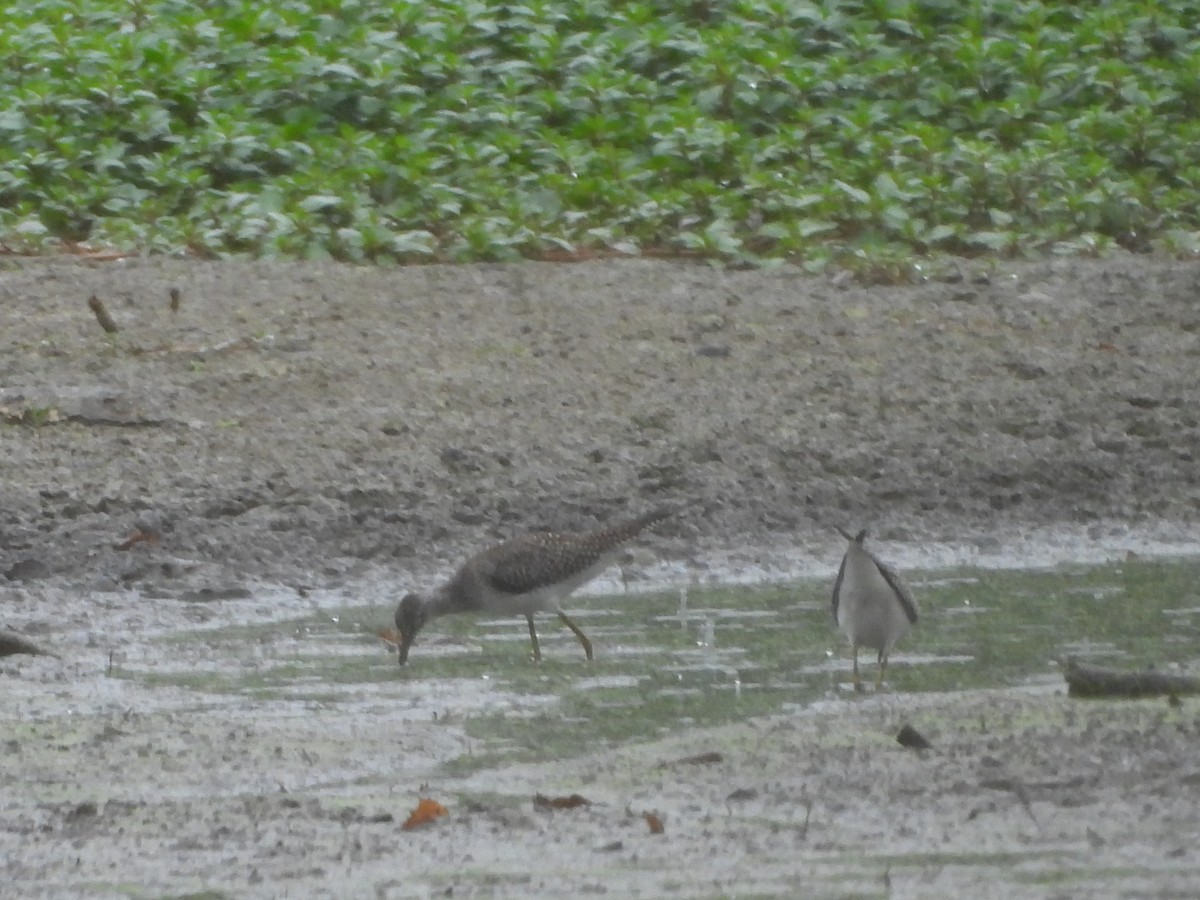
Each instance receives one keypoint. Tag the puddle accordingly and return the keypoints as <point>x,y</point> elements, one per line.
<point>706,655</point>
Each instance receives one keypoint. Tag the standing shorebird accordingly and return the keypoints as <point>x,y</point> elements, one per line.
<point>528,574</point>
<point>873,607</point>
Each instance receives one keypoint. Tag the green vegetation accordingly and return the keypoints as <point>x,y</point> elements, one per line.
<point>35,416</point>
<point>471,129</point>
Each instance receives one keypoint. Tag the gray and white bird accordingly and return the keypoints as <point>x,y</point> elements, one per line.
<point>529,574</point>
<point>872,605</point>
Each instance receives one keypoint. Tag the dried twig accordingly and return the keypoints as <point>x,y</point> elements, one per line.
<point>700,759</point>
<point>1015,786</point>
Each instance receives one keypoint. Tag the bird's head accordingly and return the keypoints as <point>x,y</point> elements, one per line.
<point>411,615</point>
<point>852,538</point>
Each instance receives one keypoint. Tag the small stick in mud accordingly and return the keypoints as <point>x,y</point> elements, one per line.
<point>1093,681</point>
<point>175,299</point>
<point>700,759</point>
<point>101,314</point>
<point>1017,787</point>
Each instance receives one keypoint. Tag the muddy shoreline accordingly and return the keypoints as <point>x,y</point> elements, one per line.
<point>300,423</point>
<point>302,434</point>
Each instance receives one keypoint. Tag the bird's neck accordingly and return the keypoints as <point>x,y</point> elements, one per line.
<point>444,601</point>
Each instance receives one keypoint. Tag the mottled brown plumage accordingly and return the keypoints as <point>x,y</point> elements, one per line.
<point>526,575</point>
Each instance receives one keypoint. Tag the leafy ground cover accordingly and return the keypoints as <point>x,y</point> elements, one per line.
<point>861,132</point>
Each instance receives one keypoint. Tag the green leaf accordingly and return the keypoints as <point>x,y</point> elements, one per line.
<point>318,202</point>
<point>856,194</point>
<point>938,233</point>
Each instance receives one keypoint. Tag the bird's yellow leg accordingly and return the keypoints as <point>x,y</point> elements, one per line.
<point>583,638</point>
<point>537,650</point>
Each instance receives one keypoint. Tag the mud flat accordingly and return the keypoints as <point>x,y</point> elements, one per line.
<point>295,429</point>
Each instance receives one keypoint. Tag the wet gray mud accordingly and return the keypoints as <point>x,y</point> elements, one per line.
<point>298,431</point>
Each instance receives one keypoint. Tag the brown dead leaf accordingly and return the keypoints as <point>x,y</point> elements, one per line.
<point>138,537</point>
<point>427,811</point>
<point>390,636</point>
<point>541,801</point>
<point>1107,347</point>
<point>655,823</point>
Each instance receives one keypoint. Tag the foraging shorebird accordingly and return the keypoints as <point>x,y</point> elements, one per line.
<point>873,607</point>
<point>528,574</point>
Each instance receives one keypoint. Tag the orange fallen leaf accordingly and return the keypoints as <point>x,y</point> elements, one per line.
<point>655,823</point>
<point>390,635</point>
<point>427,811</point>
<point>138,537</point>
<point>541,801</point>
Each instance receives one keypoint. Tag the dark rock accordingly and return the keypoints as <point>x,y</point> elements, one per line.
<point>913,739</point>
<point>12,644</point>
<point>27,570</point>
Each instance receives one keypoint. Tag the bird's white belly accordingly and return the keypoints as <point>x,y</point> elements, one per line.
<point>869,614</point>
<point>544,599</point>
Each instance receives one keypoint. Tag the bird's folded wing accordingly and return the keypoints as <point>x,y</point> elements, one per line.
<point>837,587</point>
<point>903,594</point>
<point>539,560</point>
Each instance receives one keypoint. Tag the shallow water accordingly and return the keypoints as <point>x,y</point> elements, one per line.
<point>668,659</point>
<point>238,742</point>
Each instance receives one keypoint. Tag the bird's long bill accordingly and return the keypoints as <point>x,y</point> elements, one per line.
<point>406,641</point>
